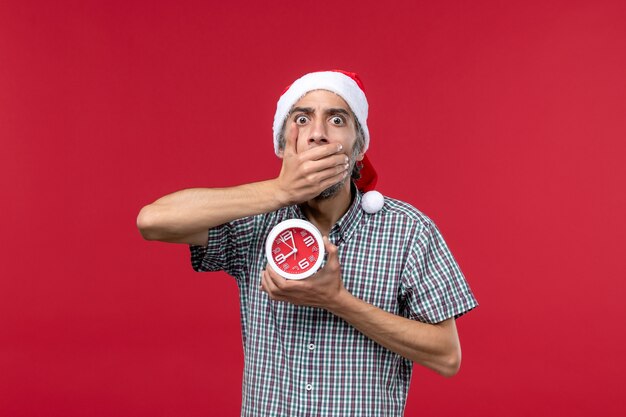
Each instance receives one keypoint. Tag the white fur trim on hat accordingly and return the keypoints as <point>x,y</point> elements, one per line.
<point>335,82</point>
<point>372,202</point>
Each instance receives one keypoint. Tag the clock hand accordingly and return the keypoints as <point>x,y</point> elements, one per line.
<point>295,248</point>
<point>283,240</point>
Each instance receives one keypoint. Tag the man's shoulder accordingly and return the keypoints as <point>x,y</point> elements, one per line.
<point>406,211</point>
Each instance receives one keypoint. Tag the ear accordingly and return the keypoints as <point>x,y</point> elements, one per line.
<point>360,156</point>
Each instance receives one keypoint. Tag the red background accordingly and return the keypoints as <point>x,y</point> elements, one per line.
<point>505,123</point>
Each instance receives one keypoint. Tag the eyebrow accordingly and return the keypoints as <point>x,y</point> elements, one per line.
<point>309,110</point>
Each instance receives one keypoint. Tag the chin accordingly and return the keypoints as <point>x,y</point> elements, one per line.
<point>331,191</point>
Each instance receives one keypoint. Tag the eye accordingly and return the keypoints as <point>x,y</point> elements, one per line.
<point>301,120</point>
<point>337,120</point>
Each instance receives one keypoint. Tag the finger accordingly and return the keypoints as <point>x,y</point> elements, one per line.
<point>291,139</point>
<point>322,151</point>
<point>274,281</point>
<point>324,168</point>
<point>262,286</point>
<point>268,284</point>
<point>330,172</point>
<point>326,162</point>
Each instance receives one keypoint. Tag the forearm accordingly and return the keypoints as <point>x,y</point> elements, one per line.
<point>435,346</point>
<point>186,215</point>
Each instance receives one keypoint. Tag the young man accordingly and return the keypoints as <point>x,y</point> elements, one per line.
<point>343,341</point>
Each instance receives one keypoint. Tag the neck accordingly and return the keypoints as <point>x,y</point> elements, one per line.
<point>324,213</point>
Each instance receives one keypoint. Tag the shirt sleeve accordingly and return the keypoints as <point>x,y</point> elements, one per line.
<point>226,249</point>
<point>433,288</point>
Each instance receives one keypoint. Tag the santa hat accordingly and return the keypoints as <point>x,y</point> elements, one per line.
<point>348,86</point>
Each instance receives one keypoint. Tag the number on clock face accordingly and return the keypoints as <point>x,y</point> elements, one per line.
<point>280,258</point>
<point>295,250</point>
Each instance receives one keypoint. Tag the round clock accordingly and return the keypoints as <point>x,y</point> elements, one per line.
<point>294,249</point>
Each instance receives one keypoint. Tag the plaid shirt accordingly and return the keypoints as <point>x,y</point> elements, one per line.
<point>304,361</point>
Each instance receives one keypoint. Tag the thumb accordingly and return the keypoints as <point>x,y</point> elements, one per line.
<point>291,139</point>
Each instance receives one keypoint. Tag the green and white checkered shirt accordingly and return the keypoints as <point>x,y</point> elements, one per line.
<point>304,361</point>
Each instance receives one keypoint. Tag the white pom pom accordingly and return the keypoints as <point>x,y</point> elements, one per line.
<point>372,202</point>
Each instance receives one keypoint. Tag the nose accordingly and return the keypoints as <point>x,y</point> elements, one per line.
<point>318,134</point>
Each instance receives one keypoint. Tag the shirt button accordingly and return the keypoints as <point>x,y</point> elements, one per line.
<point>311,346</point>
<point>309,387</point>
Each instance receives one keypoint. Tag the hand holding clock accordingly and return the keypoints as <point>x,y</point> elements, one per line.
<point>321,290</point>
<point>305,175</point>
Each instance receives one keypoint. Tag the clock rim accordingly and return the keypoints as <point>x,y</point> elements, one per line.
<point>286,224</point>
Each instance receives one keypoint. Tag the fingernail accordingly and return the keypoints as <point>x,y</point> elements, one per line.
<point>346,166</point>
<point>340,147</point>
<point>346,160</point>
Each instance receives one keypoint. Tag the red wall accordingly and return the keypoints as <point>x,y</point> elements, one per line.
<point>504,123</point>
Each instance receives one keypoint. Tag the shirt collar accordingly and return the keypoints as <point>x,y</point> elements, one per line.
<point>347,224</point>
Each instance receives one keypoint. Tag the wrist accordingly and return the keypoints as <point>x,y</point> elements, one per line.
<point>281,195</point>
<point>339,304</point>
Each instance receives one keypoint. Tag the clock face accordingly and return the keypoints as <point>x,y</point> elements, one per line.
<point>294,249</point>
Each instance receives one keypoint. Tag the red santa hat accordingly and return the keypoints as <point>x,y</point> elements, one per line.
<point>348,86</point>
